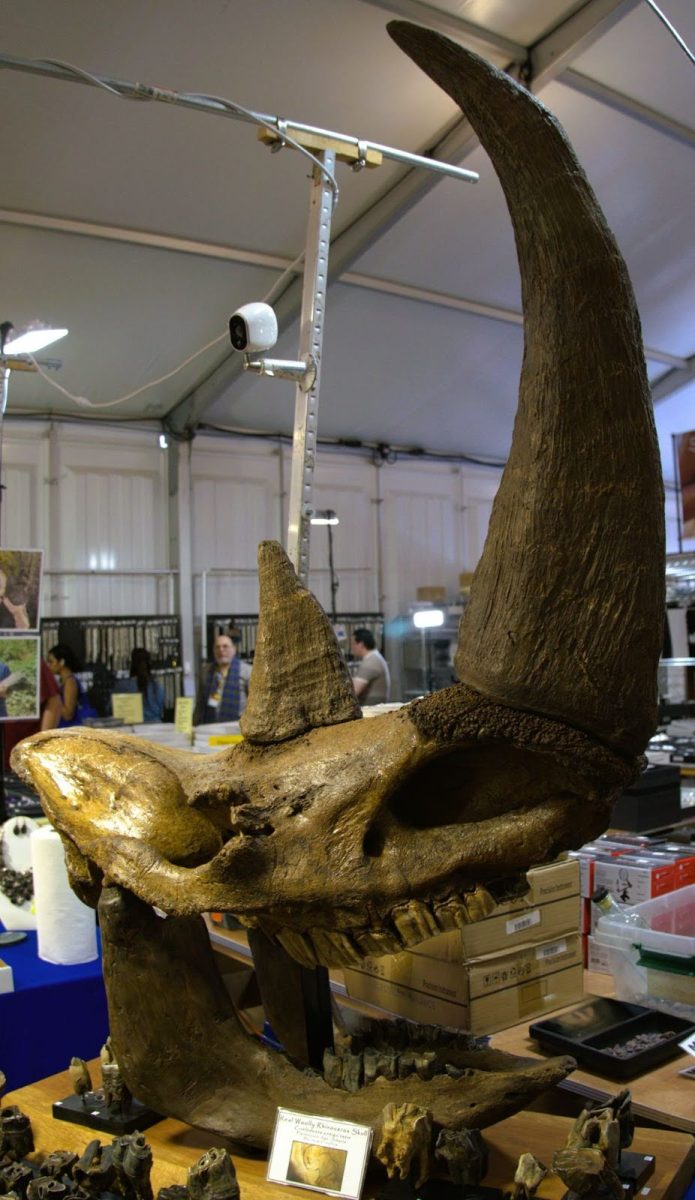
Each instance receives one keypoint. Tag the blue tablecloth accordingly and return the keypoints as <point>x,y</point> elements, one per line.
<point>55,1012</point>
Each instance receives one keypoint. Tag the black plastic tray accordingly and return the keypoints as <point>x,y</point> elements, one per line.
<point>588,1031</point>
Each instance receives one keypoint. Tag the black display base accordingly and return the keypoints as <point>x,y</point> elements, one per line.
<point>635,1169</point>
<point>437,1189</point>
<point>94,1113</point>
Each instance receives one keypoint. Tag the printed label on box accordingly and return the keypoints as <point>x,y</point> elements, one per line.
<point>525,921</point>
<point>551,949</point>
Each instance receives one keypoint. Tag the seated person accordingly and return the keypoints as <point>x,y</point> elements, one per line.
<point>75,706</point>
<point>224,684</point>
<point>142,680</point>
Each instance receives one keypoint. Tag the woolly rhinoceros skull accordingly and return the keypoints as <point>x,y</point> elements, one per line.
<point>341,838</point>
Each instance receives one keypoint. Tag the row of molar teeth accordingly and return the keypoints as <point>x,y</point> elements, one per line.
<point>349,1072</point>
<point>411,923</point>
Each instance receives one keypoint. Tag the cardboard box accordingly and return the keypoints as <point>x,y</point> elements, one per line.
<point>634,878</point>
<point>484,995</point>
<point>434,594</point>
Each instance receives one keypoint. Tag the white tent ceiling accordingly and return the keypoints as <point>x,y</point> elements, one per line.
<point>142,226</point>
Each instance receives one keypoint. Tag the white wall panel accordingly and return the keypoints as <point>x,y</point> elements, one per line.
<point>478,490</point>
<point>23,469</point>
<point>235,505</point>
<point>111,495</point>
<point>421,531</point>
<point>348,486</point>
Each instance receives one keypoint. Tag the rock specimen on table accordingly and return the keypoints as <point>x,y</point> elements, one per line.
<point>339,838</point>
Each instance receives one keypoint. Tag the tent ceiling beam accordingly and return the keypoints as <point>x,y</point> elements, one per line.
<point>484,40</point>
<point>673,381</point>
<point>629,107</point>
<point>552,54</point>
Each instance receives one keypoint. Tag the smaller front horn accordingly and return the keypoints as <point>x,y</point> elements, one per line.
<point>299,678</point>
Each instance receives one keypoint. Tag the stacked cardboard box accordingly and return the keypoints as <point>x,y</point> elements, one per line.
<point>633,868</point>
<point>523,960</point>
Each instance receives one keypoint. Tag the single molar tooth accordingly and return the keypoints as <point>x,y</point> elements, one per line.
<point>334,949</point>
<point>414,922</point>
<point>425,1063</point>
<point>452,914</point>
<point>352,1072</point>
<point>375,943</point>
<point>332,1068</point>
<point>298,947</point>
<point>387,1064</point>
<point>480,904</point>
<point>370,1064</point>
<point>406,1064</point>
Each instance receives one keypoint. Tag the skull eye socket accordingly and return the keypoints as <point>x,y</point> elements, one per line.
<point>470,785</point>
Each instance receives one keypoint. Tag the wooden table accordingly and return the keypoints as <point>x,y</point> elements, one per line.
<point>661,1095</point>
<point>176,1147</point>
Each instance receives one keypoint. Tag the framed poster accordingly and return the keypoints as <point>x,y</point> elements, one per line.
<point>21,573</point>
<point>19,678</point>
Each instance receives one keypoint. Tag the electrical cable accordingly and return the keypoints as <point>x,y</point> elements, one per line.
<point>270,298</point>
<point>274,127</point>
<point>86,403</point>
<point>147,93</point>
<point>672,29</point>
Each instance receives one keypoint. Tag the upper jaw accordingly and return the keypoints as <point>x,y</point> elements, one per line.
<point>338,847</point>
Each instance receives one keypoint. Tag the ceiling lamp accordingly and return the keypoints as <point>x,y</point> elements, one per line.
<point>28,341</point>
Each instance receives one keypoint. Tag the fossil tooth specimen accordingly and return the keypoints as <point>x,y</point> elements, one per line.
<point>338,837</point>
<point>80,1078</point>
<point>213,1177</point>
<point>586,1172</point>
<point>465,1154</point>
<point>528,1175</point>
<point>404,1144</point>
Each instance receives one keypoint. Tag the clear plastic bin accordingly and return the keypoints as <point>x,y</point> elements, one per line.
<point>655,965</point>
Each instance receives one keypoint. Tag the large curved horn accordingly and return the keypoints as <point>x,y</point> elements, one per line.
<point>299,678</point>
<point>567,603</point>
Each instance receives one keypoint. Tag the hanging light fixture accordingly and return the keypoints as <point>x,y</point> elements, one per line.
<point>29,340</point>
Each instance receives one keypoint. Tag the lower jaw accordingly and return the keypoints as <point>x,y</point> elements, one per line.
<point>182,1050</point>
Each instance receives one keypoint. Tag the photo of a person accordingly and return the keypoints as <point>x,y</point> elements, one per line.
<point>316,1166</point>
<point>19,678</point>
<point>20,587</point>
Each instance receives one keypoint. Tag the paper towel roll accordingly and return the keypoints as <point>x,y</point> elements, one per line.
<point>66,927</point>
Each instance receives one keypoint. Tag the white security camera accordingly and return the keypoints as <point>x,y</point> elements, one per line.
<point>253,328</point>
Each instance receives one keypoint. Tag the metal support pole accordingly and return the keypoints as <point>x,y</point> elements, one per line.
<point>679,490</point>
<point>334,581</point>
<point>203,617</point>
<point>310,343</point>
